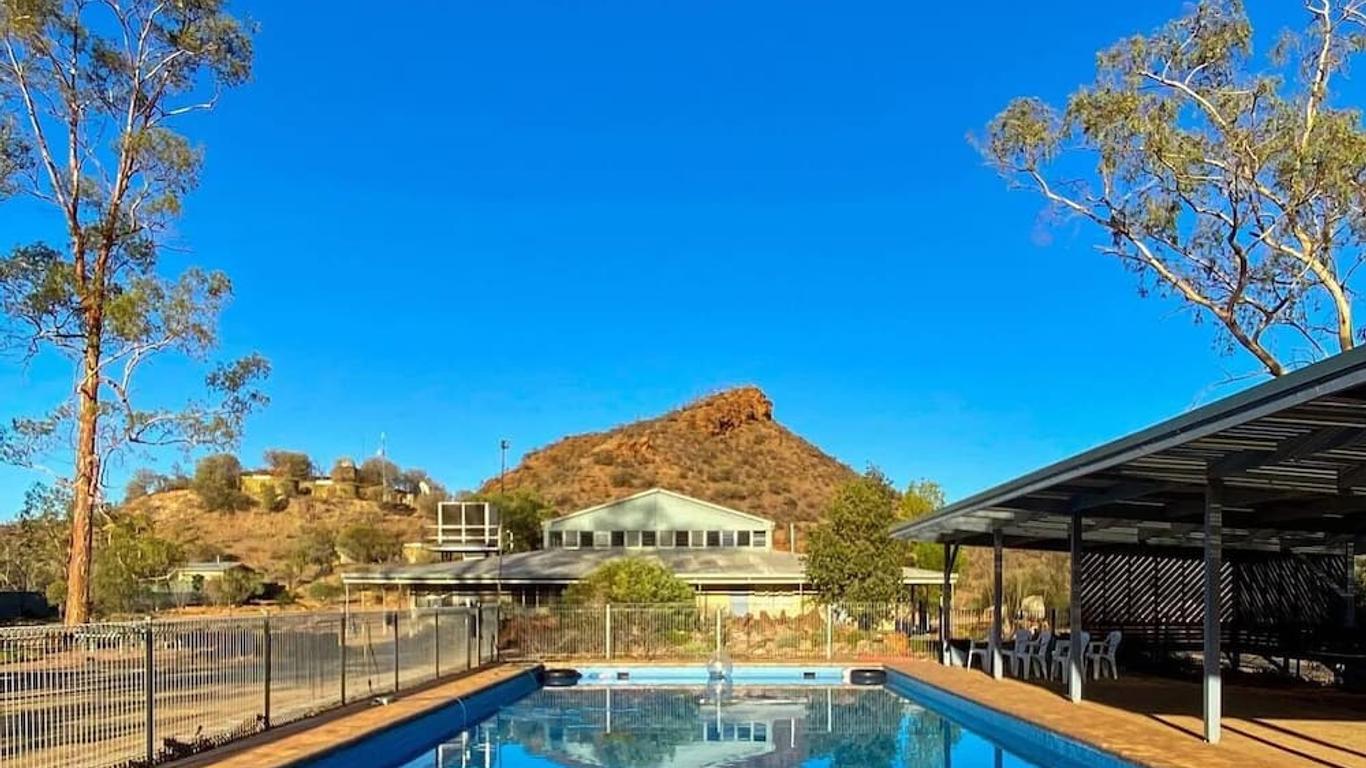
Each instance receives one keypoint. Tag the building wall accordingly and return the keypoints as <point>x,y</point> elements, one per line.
<point>775,601</point>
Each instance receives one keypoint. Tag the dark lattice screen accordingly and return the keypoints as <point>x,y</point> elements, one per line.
<point>1157,595</point>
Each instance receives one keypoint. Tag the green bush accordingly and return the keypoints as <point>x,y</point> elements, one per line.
<point>270,498</point>
<point>629,580</point>
<point>324,591</point>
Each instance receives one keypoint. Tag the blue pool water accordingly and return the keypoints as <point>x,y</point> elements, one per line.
<point>646,717</point>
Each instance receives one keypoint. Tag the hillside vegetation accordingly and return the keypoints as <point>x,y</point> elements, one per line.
<point>261,537</point>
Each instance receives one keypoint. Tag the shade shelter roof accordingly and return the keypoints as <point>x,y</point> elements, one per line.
<point>1289,455</point>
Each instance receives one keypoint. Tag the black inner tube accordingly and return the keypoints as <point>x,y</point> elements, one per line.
<point>867,676</point>
<point>560,677</point>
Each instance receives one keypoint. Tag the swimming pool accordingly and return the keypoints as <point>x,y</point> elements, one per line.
<point>668,716</point>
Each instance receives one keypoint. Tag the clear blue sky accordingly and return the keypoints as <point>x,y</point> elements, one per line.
<point>527,219</point>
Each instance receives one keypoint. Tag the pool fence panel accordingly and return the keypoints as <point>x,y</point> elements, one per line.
<point>688,632</point>
<point>141,693</point>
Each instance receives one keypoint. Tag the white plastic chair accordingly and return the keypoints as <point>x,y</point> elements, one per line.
<point>1063,655</point>
<point>1038,653</point>
<point>980,650</point>
<point>1100,654</point>
<point>1016,658</point>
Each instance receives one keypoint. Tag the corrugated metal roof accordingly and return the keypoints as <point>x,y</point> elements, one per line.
<point>562,566</point>
<point>1290,454</point>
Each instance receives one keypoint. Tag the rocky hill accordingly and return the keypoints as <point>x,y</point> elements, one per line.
<point>726,448</point>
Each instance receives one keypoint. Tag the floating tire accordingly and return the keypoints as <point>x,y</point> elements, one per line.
<point>867,677</point>
<point>560,678</point>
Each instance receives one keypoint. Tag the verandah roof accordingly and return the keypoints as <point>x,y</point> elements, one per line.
<point>1290,455</point>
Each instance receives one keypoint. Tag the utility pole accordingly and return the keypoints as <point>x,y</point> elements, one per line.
<point>503,446</point>
<point>383,471</point>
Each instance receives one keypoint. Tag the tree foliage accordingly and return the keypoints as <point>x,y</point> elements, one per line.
<point>291,465</point>
<point>629,580</point>
<point>378,470</point>
<point>235,587</point>
<point>368,542</point>
<point>131,562</point>
<point>33,548</point>
<point>850,557</point>
<point>521,511</point>
<point>90,94</point>
<point>144,482</point>
<point>923,497</point>
<point>1233,183</point>
<point>217,482</point>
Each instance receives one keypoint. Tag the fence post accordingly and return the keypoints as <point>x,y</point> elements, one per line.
<point>478,634</point>
<point>149,691</point>
<point>608,624</point>
<point>265,637</point>
<point>395,651</point>
<point>436,637</point>
<point>829,631</point>
<point>341,635</point>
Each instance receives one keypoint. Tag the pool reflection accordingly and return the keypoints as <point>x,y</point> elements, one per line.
<point>748,727</point>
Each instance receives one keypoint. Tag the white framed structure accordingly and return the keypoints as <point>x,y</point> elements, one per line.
<point>465,529</point>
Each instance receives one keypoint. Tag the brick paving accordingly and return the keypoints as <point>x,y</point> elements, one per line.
<point>295,744</point>
<point>1156,722</point>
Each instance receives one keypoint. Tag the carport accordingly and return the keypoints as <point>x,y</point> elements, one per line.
<point>1232,527</point>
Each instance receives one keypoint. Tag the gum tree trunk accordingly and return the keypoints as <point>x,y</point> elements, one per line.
<point>87,481</point>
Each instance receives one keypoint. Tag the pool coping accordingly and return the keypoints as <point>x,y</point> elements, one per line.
<point>1155,747</point>
<point>968,711</point>
<point>314,738</point>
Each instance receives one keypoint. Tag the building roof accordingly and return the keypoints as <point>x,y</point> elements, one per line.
<point>212,566</point>
<point>1288,455</point>
<point>565,566</point>
<point>663,494</point>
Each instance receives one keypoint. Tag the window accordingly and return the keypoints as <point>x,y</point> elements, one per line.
<point>713,538</point>
<point>742,538</point>
<point>680,538</point>
<point>761,731</point>
<point>666,539</point>
<point>761,538</point>
<point>647,538</point>
<point>586,539</point>
<point>556,539</point>
<point>633,538</point>
<point>699,538</point>
<point>618,538</point>
<point>727,538</point>
<point>602,539</point>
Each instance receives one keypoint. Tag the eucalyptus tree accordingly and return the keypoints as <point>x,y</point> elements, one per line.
<point>90,94</point>
<point>1230,180</point>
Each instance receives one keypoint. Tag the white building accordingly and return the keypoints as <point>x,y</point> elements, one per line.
<point>726,555</point>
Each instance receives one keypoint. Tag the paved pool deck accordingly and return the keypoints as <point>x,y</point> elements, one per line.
<point>304,740</point>
<point>1156,722</point>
